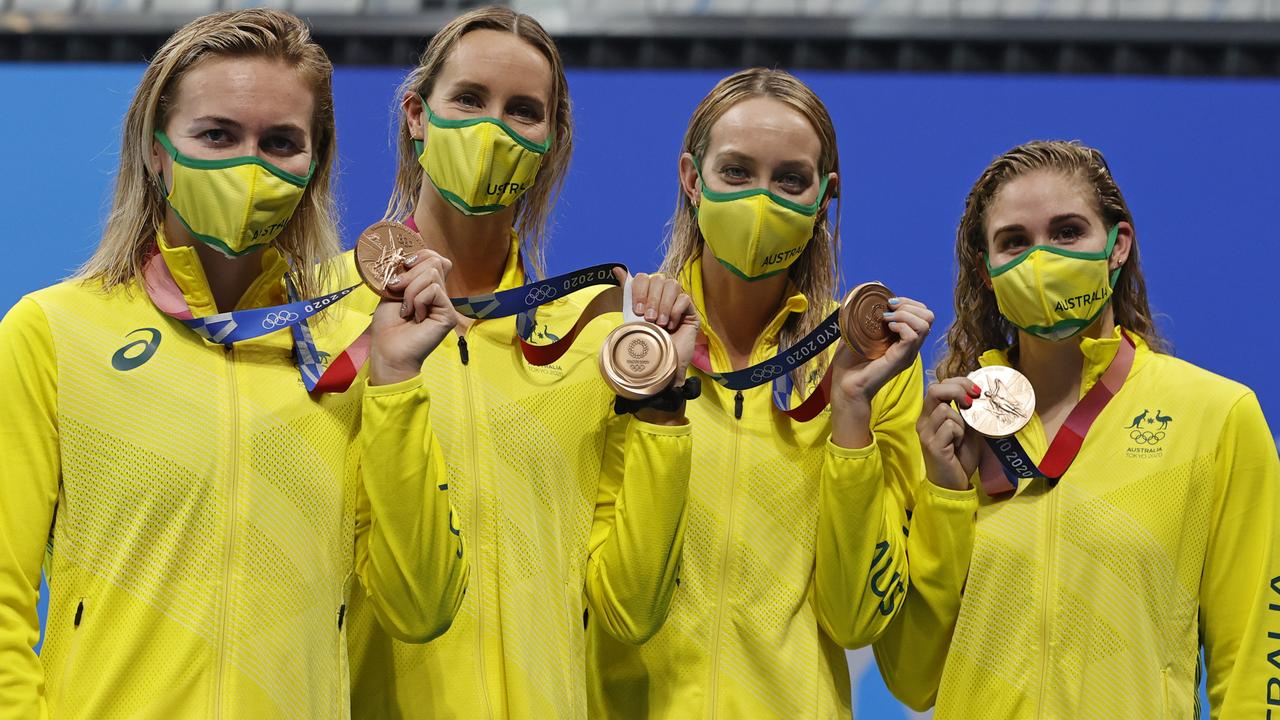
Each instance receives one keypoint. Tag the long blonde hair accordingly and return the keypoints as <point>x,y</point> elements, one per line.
<point>533,208</point>
<point>978,325</point>
<point>815,272</point>
<point>138,207</point>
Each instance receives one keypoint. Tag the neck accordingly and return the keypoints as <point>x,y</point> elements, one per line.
<point>1055,368</point>
<point>738,310</point>
<point>228,278</point>
<point>477,245</point>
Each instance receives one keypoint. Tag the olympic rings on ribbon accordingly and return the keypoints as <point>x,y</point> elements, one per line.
<point>1144,437</point>
<point>539,294</point>
<point>279,319</point>
<point>765,373</point>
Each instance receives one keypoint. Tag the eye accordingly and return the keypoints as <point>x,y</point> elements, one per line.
<point>526,112</point>
<point>1011,242</point>
<point>794,183</point>
<point>733,174</point>
<point>468,99</point>
<point>216,137</point>
<point>280,145</point>
<point>1070,233</point>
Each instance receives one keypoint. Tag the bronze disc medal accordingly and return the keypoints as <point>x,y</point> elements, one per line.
<point>862,322</point>
<point>638,360</point>
<point>1006,403</point>
<point>381,252</point>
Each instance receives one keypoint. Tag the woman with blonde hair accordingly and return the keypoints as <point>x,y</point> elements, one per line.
<point>796,546</point>
<point>1134,520</point>
<point>202,511</point>
<point>572,513</point>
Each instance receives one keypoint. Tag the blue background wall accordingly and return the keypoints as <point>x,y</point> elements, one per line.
<point>1199,162</point>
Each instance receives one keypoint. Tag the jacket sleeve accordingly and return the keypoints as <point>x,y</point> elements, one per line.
<point>913,649</point>
<point>28,495</point>
<point>861,563</point>
<point>409,551</point>
<point>939,543</point>
<point>638,530</point>
<point>1240,583</point>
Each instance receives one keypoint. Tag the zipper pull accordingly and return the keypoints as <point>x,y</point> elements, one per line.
<point>462,350</point>
<point>342,612</point>
<point>79,614</point>
<point>737,405</point>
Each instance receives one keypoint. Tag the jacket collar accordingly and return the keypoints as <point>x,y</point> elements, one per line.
<point>184,264</point>
<point>795,302</point>
<point>1098,353</point>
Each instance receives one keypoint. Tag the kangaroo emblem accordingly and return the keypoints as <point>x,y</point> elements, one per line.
<point>1138,420</point>
<point>1164,420</point>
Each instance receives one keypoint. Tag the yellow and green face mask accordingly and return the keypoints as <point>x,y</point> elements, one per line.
<point>479,165</point>
<point>236,205</point>
<point>755,233</point>
<point>1052,292</point>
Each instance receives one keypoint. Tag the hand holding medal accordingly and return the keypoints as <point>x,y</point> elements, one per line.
<point>651,351</point>
<point>952,449</point>
<point>415,314</point>
<point>882,338</point>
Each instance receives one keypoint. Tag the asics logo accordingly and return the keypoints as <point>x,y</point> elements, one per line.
<point>279,318</point>
<point>539,294</point>
<point>123,361</point>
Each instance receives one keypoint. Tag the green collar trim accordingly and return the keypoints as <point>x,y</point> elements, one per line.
<point>526,143</point>
<point>1103,254</point>
<point>188,161</point>
<point>714,196</point>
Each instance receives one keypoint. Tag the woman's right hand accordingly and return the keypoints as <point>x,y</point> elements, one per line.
<point>951,448</point>
<point>406,331</point>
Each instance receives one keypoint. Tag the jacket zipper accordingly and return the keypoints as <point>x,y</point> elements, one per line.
<point>1050,548</point>
<point>474,584</point>
<point>724,577</point>
<point>728,550</point>
<point>228,550</point>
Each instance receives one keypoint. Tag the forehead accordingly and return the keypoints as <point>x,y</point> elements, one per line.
<point>1039,195</point>
<point>499,59</point>
<point>249,90</point>
<point>765,127</point>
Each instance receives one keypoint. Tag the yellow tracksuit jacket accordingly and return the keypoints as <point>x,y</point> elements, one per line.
<point>572,515</point>
<point>795,549</point>
<point>210,515</point>
<point>1091,599</point>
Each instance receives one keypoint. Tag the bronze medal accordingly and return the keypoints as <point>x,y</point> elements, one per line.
<point>638,360</point>
<point>1006,403</point>
<point>862,322</point>
<point>381,252</point>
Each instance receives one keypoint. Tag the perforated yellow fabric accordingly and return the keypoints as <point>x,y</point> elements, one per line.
<point>1091,599</point>
<point>206,513</point>
<point>795,548</point>
<point>571,515</point>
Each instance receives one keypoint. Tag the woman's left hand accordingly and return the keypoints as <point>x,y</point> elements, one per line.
<point>663,302</point>
<point>855,380</point>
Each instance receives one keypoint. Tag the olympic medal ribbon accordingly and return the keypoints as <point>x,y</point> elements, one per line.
<point>777,370</point>
<point>1009,455</point>
<point>228,328</point>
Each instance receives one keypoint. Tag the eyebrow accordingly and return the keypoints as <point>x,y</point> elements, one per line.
<point>473,86</point>
<point>234,125</point>
<point>1052,221</point>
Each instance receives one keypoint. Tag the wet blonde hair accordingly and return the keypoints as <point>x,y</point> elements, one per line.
<point>138,207</point>
<point>978,325</point>
<point>815,272</point>
<point>533,208</point>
